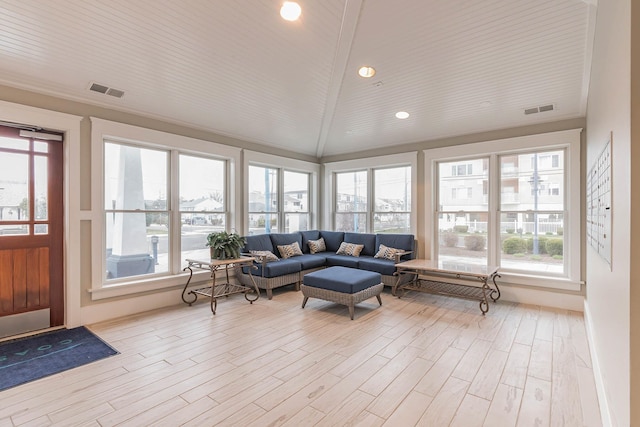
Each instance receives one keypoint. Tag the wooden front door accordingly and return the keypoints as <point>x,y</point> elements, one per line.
<point>31,225</point>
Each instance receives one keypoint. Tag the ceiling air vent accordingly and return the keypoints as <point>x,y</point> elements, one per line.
<point>95,87</point>
<point>539,109</point>
<point>120,93</point>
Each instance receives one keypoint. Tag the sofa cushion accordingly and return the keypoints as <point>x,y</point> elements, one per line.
<point>288,251</point>
<point>260,242</point>
<point>276,268</point>
<point>341,260</point>
<point>368,240</point>
<point>350,249</point>
<point>316,246</point>
<point>332,239</point>
<point>309,261</point>
<point>306,236</point>
<point>379,265</point>
<point>405,242</point>
<point>341,279</point>
<point>281,239</point>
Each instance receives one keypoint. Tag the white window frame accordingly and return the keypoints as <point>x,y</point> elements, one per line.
<point>102,130</point>
<point>370,163</point>
<point>568,140</point>
<point>254,158</point>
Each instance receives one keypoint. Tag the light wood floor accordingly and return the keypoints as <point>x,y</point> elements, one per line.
<point>420,360</point>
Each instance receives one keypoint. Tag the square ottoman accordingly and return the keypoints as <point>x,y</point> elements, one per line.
<point>342,285</point>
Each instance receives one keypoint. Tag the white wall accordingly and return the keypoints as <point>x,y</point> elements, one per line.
<point>608,287</point>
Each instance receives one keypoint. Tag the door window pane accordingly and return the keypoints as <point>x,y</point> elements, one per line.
<point>14,143</point>
<point>41,188</point>
<point>40,147</point>
<point>14,230</point>
<point>14,187</point>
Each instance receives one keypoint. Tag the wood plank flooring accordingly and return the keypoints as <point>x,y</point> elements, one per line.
<point>422,360</point>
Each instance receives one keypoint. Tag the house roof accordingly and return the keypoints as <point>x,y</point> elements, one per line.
<point>237,69</point>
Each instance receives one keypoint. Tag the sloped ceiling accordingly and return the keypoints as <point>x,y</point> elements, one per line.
<point>236,68</point>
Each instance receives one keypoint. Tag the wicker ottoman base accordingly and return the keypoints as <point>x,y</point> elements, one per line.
<point>350,300</point>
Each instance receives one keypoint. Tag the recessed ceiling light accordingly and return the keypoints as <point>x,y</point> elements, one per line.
<point>290,11</point>
<point>366,71</point>
<point>402,115</point>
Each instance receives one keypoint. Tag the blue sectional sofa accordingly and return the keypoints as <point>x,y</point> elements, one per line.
<point>271,274</point>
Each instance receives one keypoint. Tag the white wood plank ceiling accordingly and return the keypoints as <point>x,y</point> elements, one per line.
<point>237,68</point>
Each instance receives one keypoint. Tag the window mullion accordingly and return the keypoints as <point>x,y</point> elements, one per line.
<point>494,211</point>
<point>173,208</point>
<point>371,203</point>
<point>281,215</point>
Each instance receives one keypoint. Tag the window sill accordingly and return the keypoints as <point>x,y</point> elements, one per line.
<point>147,285</point>
<point>556,283</point>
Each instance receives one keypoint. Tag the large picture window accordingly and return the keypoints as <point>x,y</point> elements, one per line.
<point>159,195</point>
<point>514,204</point>
<point>372,195</point>
<point>272,205</point>
<point>281,194</point>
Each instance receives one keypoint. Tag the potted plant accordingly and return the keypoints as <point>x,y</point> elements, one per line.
<point>225,245</point>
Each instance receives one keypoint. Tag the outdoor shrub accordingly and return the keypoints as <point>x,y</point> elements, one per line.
<point>475,243</point>
<point>514,245</point>
<point>461,228</point>
<point>542,245</point>
<point>510,230</point>
<point>559,231</point>
<point>548,233</point>
<point>554,247</point>
<point>450,239</point>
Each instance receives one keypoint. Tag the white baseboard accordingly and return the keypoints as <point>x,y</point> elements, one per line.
<point>597,373</point>
<point>125,307</point>
<point>537,296</point>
